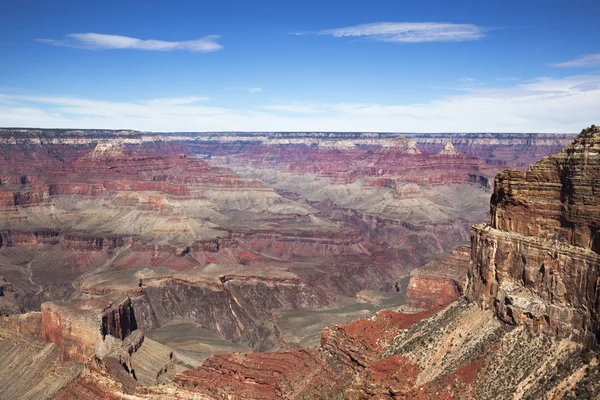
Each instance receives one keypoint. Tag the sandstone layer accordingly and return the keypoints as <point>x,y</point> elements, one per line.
<point>537,263</point>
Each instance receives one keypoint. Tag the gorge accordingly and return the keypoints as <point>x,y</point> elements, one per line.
<point>290,265</point>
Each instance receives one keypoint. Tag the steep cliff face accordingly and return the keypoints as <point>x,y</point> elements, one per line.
<point>79,329</point>
<point>557,198</point>
<point>538,263</point>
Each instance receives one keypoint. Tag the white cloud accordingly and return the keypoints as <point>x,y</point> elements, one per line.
<point>591,60</point>
<point>293,107</point>
<point>175,101</point>
<point>98,41</point>
<point>541,105</point>
<point>408,32</point>
<point>245,89</point>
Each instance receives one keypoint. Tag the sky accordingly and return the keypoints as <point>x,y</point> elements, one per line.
<point>301,65</point>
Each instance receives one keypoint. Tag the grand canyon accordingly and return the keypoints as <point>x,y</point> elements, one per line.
<point>298,265</point>
<point>299,200</point>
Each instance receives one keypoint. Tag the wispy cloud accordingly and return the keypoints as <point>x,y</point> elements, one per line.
<point>99,41</point>
<point>248,89</point>
<point>177,101</point>
<point>591,60</point>
<point>293,107</point>
<point>407,32</point>
<point>541,105</point>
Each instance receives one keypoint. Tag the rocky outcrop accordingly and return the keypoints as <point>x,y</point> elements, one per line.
<point>557,198</point>
<point>439,283</point>
<point>118,320</point>
<point>9,302</point>
<point>448,150</point>
<point>545,284</point>
<point>15,238</point>
<point>107,149</point>
<point>27,324</point>
<point>79,329</point>
<point>91,243</point>
<point>538,263</point>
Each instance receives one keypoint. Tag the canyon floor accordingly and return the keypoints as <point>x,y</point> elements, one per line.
<point>172,265</point>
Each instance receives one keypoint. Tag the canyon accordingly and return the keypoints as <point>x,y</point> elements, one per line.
<point>524,328</point>
<point>298,265</point>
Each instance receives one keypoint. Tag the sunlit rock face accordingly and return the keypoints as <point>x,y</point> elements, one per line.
<point>537,262</point>
<point>557,198</point>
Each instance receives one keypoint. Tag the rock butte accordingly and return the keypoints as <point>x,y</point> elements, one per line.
<point>125,251</point>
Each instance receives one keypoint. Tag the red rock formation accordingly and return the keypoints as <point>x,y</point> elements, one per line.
<point>29,324</point>
<point>13,238</point>
<point>360,343</point>
<point>83,243</point>
<point>345,351</point>
<point>89,388</point>
<point>256,376</point>
<point>78,328</point>
<point>344,166</point>
<point>438,283</point>
<point>512,150</point>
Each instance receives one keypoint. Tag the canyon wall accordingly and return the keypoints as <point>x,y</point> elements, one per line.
<point>79,330</point>
<point>537,263</point>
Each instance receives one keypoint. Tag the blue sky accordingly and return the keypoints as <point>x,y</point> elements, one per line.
<point>429,66</point>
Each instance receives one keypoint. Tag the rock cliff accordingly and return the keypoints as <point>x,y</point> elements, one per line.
<point>537,263</point>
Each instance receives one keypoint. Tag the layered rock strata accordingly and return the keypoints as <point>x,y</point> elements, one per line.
<point>460,352</point>
<point>78,329</point>
<point>131,234</point>
<point>537,263</point>
<point>439,283</point>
